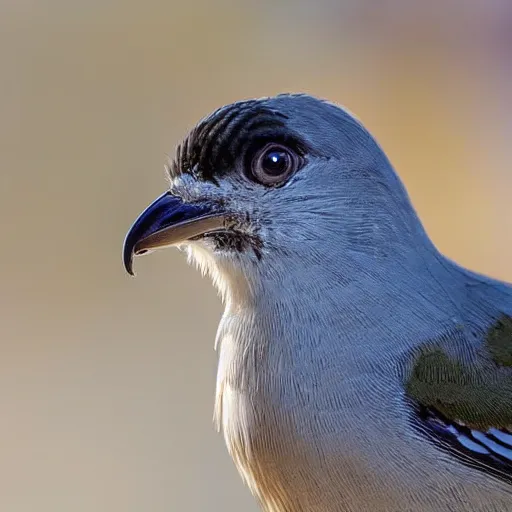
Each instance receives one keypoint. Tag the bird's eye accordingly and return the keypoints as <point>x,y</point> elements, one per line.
<point>273,164</point>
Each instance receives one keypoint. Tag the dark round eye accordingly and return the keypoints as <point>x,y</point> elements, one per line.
<point>273,164</point>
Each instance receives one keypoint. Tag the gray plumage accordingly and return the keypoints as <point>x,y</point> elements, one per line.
<point>359,369</point>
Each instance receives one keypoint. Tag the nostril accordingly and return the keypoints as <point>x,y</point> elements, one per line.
<point>182,213</point>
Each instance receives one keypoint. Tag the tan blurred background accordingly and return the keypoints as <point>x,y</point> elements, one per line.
<point>106,382</point>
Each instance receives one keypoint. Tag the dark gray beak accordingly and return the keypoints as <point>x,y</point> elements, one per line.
<point>169,221</point>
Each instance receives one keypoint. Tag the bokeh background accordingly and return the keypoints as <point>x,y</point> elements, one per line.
<point>106,382</point>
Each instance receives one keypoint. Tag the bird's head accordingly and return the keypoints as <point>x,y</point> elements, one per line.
<point>272,183</point>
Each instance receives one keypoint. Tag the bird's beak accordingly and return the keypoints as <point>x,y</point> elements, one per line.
<point>169,221</point>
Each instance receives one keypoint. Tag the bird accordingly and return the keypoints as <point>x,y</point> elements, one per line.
<point>359,368</point>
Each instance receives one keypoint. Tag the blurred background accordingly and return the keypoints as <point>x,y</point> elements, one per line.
<point>107,382</point>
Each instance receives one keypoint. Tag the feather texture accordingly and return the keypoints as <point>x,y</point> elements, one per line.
<point>359,369</point>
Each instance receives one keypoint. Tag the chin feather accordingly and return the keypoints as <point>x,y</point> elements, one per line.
<point>206,263</point>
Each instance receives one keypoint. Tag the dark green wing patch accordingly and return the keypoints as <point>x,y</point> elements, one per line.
<point>479,395</point>
<point>499,341</point>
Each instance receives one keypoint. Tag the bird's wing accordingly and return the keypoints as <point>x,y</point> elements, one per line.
<point>463,400</point>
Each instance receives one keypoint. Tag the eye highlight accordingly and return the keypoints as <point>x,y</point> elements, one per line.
<point>273,164</point>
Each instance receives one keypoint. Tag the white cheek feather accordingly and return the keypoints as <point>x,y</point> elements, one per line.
<point>207,265</point>
<point>230,276</point>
